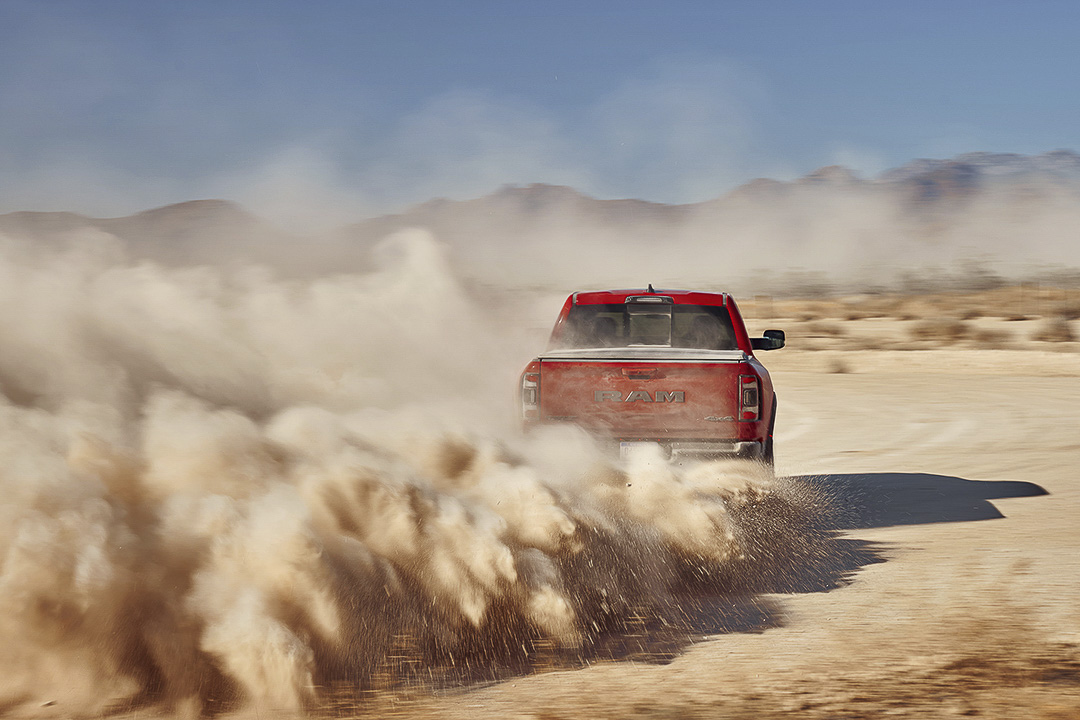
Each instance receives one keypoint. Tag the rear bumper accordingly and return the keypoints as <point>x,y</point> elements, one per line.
<point>697,449</point>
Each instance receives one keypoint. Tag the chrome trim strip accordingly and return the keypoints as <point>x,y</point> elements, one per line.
<point>700,449</point>
<point>742,448</point>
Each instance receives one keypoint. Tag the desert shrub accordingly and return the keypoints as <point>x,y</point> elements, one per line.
<point>941,330</point>
<point>1068,311</point>
<point>866,343</point>
<point>820,328</point>
<point>1055,329</point>
<point>990,338</point>
<point>810,311</point>
<point>838,366</point>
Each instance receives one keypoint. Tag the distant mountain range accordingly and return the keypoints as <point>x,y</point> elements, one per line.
<point>1014,213</point>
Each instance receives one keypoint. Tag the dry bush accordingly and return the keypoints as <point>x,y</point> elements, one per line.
<point>990,338</point>
<point>863,342</point>
<point>916,309</point>
<point>1068,311</point>
<point>971,313</point>
<point>1055,329</point>
<point>941,330</point>
<point>836,365</point>
<point>818,310</point>
<point>821,328</point>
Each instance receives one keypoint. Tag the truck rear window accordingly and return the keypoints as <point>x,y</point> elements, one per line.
<point>653,325</point>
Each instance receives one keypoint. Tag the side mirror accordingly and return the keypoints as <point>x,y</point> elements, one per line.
<point>772,340</point>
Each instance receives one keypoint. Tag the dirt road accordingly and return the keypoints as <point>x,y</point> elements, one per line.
<point>967,485</point>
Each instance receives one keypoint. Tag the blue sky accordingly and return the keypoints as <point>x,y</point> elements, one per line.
<point>346,109</point>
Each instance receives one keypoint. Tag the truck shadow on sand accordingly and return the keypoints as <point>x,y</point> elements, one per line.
<point>872,500</point>
<point>741,598</point>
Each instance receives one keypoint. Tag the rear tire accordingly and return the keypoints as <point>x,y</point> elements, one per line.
<point>769,456</point>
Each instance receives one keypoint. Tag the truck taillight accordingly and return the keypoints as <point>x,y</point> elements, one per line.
<point>530,392</point>
<point>749,397</point>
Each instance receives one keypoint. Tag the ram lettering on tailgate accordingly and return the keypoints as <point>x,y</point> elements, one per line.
<point>640,396</point>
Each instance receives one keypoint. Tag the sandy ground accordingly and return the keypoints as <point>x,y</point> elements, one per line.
<point>958,469</point>
<point>950,457</point>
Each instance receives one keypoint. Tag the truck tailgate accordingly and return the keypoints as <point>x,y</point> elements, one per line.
<point>642,396</point>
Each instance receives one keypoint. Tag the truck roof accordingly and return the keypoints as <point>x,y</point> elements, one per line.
<point>678,297</point>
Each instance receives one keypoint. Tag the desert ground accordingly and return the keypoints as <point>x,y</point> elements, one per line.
<point>916,554</point>
<point>945,430</point>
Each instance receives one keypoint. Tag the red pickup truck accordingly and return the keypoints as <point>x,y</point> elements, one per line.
<point>673,368</point>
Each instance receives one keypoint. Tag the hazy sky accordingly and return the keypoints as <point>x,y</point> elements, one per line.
<point>347,109</point>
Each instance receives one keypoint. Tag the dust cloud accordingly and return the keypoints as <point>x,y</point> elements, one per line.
<point>222,488</point>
